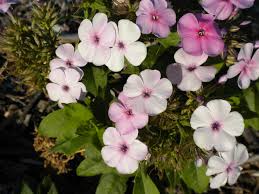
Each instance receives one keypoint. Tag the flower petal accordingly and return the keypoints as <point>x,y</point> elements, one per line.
<point>240,154</point>
<point>163,88</point>
<point>87,51</point>
<point>111,156</point>
<point>160,4</point>
<point>243,4</point>
<point>187,25</point>
<point>78,60</point>
<point>57,63</point>
<point>136,53</point>
<point>201,117</point>
<point>54,91</point>
<point>84,30</point>
<point>224,142</point>
<point>233,176</point>
<point>130,137</point>
<point>145,24</point>
<point>243,81</point>
<point>246,52</point>
<point>66,98</point>
<point>219,109</point>
<point>216,165</point>
<point>138,150</point>
<point>219,180</point>
<point>203,138</point>
<point>161,30</point>
<point>235,69</point>
<point>212,46</point>
<point>184,58</point>
<point>116,111</point>
<point>65,51</point>
<point>205,73</point>
<point>111,136</point>
<point>108,36</point>
<point>72,76</point>
<point>100,21</point>
<point>101,56</point>
<point>155,105</point>
<point>190,81</point>
<point>168,17</point>
<point>116,61</point>
<point>129,32</point>
<point>133,87</point>
<point>78,91</point>
<point>127,165</point>
<point>234,124</point>
<point>150,77</point>
<point>144,7</point>
<point>125,126</point>
<point>57,76</point>
<point>193,49</point>
<point>139,120</point>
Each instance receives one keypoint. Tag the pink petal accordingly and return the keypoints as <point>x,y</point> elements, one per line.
<point>160,4</point>
<point>137,104</point>
<point>188,25</point>
<point>108,35</point>
<point>243,81</point>
<point>212,46</point>
<point>111,137</point>
<point>150,77</point>
<point>163,88</point>
<point>84,30</point>
<point>243,4</point>
<point>206,73</point>
<point>256,57</point>
<point>4,7</point>
<point>57,63</point>
<point>161,30</point>
<point>145,24</point>
<point>127,165</point>
<point>133,87</point>
<point>138,150</point>
<point>54,91</point>
<point>72,76</point>
<point>145,6</point>
<point>100,21</point>
<point>192,45</point>
<point>130,137</point>
<point>65,51</point>
<point>78,60</point>
<point>246,52</point>
<point>125,126</point>
<point>235,69</point>
<point>57,76</point>
<point>111,156</point>
<point>168,17</point>
<point>116,112</point>
<point>139,120</point>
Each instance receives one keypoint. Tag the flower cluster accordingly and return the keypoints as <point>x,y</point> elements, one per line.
<point>5,5</point>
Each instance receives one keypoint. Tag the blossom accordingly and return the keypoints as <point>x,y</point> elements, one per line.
<point>215,126</point>
<point>226,166</point>
<point>223,79</point>
<point>5,5</point>
<point>188,73</point>
<point>153,16</point>
<point>148,93</point>
<point>126,119</point>
<point>126,45</point>
<point>247,66</point>
<point>123,151</point>
<point>222,9</point>
<point>67,58</point>
<point>200,34</point>
<point>65,86</point>
<point>97,38</point>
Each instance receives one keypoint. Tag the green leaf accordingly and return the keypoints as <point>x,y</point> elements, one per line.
<point>154,52</point>
<point>26,189</point>
<point>112,184</point>
<point>172,40</point>
<point>144,184</point>
<point>254,123</point>
<point>195,177</point>
<point>53,189</point>
<point>62,124</point>
<point>251,96</point>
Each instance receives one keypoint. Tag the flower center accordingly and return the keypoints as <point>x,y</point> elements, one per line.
<point>65,88</point>
<point>129,112</point>
<point>96,39</point>
<point>191,68</point>
<point>230,167</point>
<point>146,93</point>
<point>124,148</point>
<point>121,45</point>
<point>69,63</point>
<point>155,17</point>
<point>201,32</point>
<point>215,126</point>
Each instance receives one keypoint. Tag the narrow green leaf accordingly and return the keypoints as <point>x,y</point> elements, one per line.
<point>26,189</point>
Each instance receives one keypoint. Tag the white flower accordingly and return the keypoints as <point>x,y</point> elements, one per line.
<point>66,87</point>
<point>126,45</point>
<point>215,126</point>
<point>226,166</point>
<point>123,151</point>
<point>188,73</point>
<point>97,38</point>
<point>148,92</point>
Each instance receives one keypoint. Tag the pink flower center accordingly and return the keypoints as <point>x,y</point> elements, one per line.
<point>191,68</point>
<point>230,167</point>
<point>129,112</point>
<point>215,126</point>
<point>124,148</point>
<point>121,45</point>
<point>154,16</point>
<point>201,32</point>
<point>146,93</point>
<point>69,63</point>
<point>65,88</point>
<point>96,39</point>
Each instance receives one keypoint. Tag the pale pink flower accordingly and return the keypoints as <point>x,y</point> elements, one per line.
<point>223,79</point>
<point>247,66</point>
<point>5,5</point>
<point>126,119</point>
<point>126,46</point>
<point>226,166</point>
<point>148,92</point>
<point>188,73</point>
<point>67,58</point>
<point>97,38</point>
<point>200,34</point>
<point>222,9</point>
<point>215,126</point>
<point>65,87</point>
<point>123,151</point>
<point>154,16</point>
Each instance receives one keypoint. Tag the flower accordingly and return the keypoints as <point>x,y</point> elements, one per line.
<point>123,151</point>
<point>5,5</point>
<point>66,87</point>
<point>200,34</point>
<point>247,66</point>
<point>153,16</point>
<point>126,45</point>
<point>188,73</point>
<point>68,58</point>
<point>222,9</point>
<point>126,119</point>
<point>97,38</point>
<point>226,166</point>
<point>215,126</point>
<point>148,93</point>
<point>223,79</point>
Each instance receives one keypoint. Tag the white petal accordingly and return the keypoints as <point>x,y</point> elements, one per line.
<point>72,76</point>
<point>102,55</point>
<point>87,51</point>
<point>190,81</point>
<point>227,156</point>
<point>78,91</point>
<point>137,104</point>
<point>201,118</point>
<point>116,61</point>
<point>234,124</point>
<point>57,63</point>
<point>127,165</point>
<point>54,91</point>
<point>57,76</point>
<point>66,98</point>
<point>129,32</point>
<point>84,30</point>
<point>219,109</point>
<point>111,136</point>
<point>163,88</point>
<point>78,60</point>
<point>203,138</point>
<point>111,156</point>
<point>130,137</point>
<point>224,142</point>
<point>136,53</point>
<point>138,150</point>
<point>233,176</point>
<point>99,21</point>
<point>219,180</point>
<point>65,51</point>
<point>206,73</point>
<point>155,105</point>
<point>133,87</point>
<point>216,165</point>
<point>256,56</point>
<point>108,36</point>
<point>246,52</point>
<point>240,154</point>
<point>243,81</point>
<point>184,58</point>
<point>150,77</point>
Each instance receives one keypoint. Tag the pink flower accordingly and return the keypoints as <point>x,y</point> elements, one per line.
<point>68,58</point>
<point>222,9</point>
<point>97,38</point>
<point>148,93</point>
<point>153,16</point>
<point>247,66</point>
<point>66,87</point>
<point>5,5</point>
<point>188,73</point>
<point>123,151</point>
<point>200,34</point>
<point>223,79</point>
<point>126,119</point>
